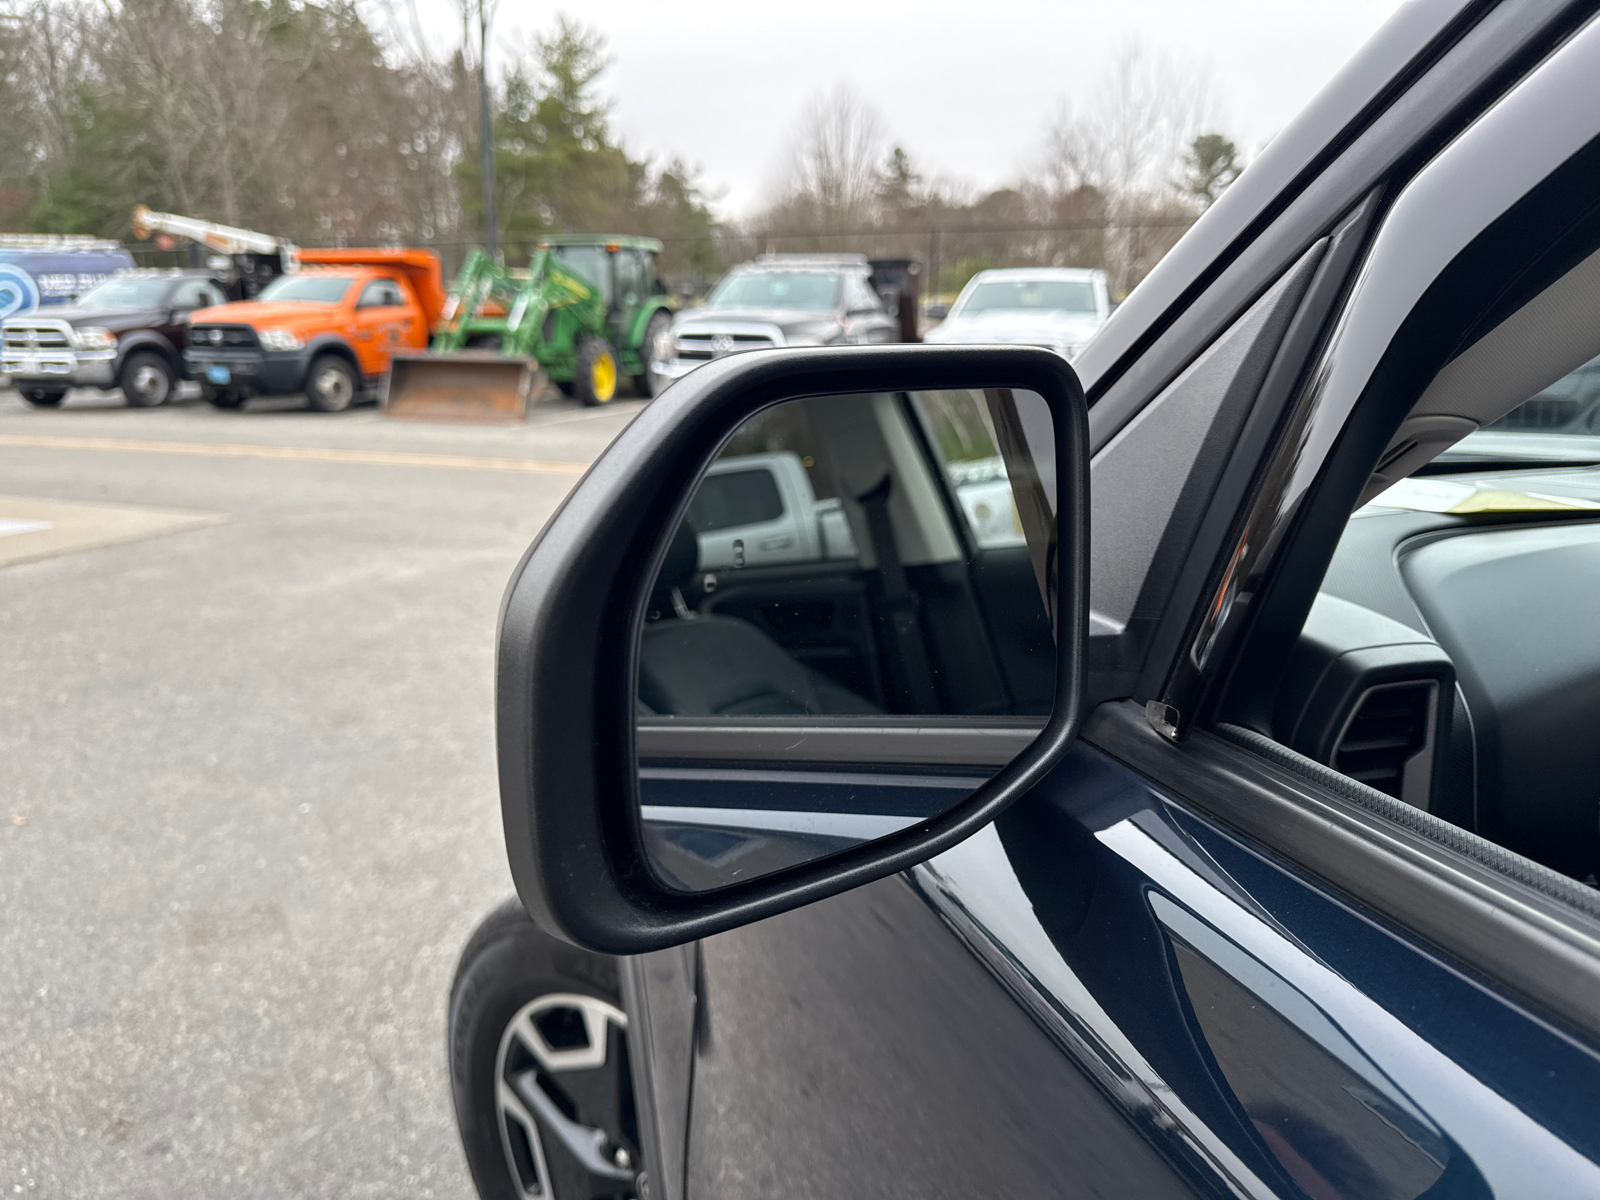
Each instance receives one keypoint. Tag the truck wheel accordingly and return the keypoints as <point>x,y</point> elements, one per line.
<point>649,384</point>
<point>41,397</point>
<point>147,380</point>
<point>331,384</point>
<point>595,377</point>
<point>539,1041</point>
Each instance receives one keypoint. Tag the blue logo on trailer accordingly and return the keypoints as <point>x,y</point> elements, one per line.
<point>46,272</point>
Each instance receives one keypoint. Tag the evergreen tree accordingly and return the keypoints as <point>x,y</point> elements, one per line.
<point>1209,166</point>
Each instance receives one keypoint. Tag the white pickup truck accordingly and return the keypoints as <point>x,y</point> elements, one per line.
<point>760,510</point>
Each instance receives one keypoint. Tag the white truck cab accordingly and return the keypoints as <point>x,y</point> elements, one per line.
<point>760,510</point>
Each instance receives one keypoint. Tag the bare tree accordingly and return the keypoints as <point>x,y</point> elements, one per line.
<point>1119,154</point>
<point>833,174</point>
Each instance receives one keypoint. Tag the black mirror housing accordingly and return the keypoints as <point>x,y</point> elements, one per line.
<point>568,644</point>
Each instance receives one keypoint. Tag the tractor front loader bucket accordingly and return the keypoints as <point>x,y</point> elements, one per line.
<point>465,385</point>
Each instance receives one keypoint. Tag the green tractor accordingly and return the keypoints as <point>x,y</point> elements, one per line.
<point>635,301</point>
<point>587,310</point>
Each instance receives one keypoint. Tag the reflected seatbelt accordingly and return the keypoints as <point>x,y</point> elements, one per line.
<point>899,603</point>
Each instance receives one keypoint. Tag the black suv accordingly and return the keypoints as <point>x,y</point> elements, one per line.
<point>127,332</point>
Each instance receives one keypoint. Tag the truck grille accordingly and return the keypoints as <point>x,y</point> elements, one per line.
<point>32,335</point>
<point>702,345</point>
<point>222,337</point>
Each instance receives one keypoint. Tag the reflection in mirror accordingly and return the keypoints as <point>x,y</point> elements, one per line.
<point>854,562</point>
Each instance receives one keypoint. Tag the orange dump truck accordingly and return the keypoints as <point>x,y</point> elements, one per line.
<point>328,330</point>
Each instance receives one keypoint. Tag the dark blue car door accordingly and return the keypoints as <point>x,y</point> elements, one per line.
<point>1191,961</point>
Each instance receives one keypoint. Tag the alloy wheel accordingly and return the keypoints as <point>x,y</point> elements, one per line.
<point>563,1100</point>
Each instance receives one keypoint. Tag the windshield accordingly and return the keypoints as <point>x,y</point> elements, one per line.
<point>311,289</point>
<point>587,261</point>
<point>1032,295</point>
<point>807,291</point>
<point>1562,422</point>
<point>126,292</point>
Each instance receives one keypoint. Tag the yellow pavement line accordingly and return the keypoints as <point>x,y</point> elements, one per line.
<point>382,458</point>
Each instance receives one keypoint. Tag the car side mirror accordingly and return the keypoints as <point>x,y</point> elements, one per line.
<point>594,623</point>
<point>937,312</point>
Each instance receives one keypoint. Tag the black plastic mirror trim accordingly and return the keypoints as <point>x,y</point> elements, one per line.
<point>568,640</point>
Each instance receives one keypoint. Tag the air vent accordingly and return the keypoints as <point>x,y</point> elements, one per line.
<point>1391,725</point>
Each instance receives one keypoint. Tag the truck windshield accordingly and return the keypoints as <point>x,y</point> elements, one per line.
<point>1031,295</point>
<point>588,263</point>
<point>808,291</point>
<point>312,289</point>
<point>735,498</point>
<point>127,292</point>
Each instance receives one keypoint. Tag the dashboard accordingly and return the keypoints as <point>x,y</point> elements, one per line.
<point>1452,658</point>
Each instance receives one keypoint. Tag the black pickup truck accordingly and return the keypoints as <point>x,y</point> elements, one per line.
<point>128,332</point>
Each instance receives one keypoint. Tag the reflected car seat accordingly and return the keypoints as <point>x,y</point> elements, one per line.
<point>710,665</point>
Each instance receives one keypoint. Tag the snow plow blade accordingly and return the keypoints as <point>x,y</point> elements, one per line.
<point>468,385</point>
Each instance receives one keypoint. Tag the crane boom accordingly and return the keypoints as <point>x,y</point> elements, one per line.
<point>224,239</point>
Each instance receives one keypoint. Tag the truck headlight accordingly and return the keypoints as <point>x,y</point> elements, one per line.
<point>665,347</point>
<point>279,339</point>
<point>94,337</point>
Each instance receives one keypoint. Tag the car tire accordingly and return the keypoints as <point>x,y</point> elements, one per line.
<point>648,385</point>
<point>594,377</point>
<point>41,397</point>
<point>221,397</point>
<point>331,384</point>
<point>147,380</point>
<point>521,1000</point>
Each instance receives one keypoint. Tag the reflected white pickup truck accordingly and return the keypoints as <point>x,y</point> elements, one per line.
<point>760,510</point>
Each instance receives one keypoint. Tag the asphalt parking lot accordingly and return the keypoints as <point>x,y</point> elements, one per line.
<point>249,806</point>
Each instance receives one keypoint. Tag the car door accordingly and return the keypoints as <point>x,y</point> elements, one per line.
<point>383,324</point>
<point>1192,961</point>
<point>189,295</point>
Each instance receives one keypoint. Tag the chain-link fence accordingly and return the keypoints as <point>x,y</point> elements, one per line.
<point>950,255</point>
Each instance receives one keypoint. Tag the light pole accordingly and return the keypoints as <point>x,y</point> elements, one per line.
<point>486,132</point>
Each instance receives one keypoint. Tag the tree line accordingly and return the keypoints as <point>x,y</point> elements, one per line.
<point>302,118</point>
<point>1111,185</point>
<point>296,118</point>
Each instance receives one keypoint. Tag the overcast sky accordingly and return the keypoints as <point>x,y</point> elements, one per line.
<point>965,87</point>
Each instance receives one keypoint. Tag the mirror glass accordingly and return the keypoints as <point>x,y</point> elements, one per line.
<point>850,629</point>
